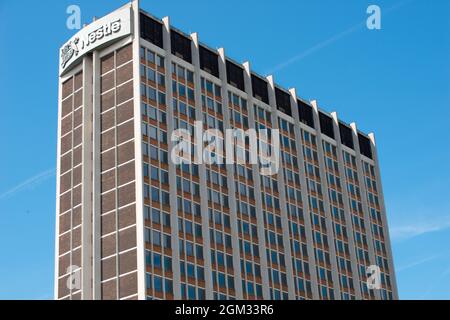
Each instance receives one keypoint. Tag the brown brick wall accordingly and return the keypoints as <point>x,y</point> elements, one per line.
<point>70,181</point>
<point>117,182</point>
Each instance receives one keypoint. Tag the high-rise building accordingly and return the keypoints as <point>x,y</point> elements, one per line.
<point>133,224</point>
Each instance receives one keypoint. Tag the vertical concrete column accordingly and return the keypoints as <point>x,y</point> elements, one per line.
<point>304,191</point>
<point>365,206</point>
<point>202,172</point>
<point>257,188</point>
<point>326,202</point>
<point>86,247</point>
<point>58,184</point>
<point>387,241</point>
<point>140,223</point>
<point>96,198</point>
<point>282,192</point>
<point>348,217</point>
<point>172,168</point>
<point>230,181</point>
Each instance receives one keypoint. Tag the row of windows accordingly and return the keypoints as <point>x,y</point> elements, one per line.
<point>154,153</point>
<point>210,87</point>
<point>182,91</point>
<point>188,207</point>
<point>155,194</point>
<point>153,113</point>
<point>192,271</point>
<point>158,238</point>
<point>156,173</point>
<point>153,94</point>
<point>151,57</point>
<point>252,289</point>
<point>211,104</point>
<point>188,227</point>
<point>156,216</point>
<point>158,284</point>
<point>221,259</point>
<point>158,261</point>
<point>190,249</point>
<point>182,73</point>
<point>152,75</point>
<point>184,109</point>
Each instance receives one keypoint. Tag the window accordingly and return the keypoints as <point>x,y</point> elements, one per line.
<point>235,75</point>
<point>364,146</point>
<point>209,61</point>
<point>152,132</point>
<point>161,80</point>
<point>156,216</point>
<point>260,89</point>
<point>326,125</point>
<point>181,46</point>
<point>151,30</point>
<point>190,76</point>
<point>283,101</point>
<point>346,135</point>
<point>160,61</point>
<point>156,238</point>
<point>151,75</point>
<point>305,113</point>
<point>151,93</point>
<point>157,283</point>
<point>157,262</point>
<point>150,56</point>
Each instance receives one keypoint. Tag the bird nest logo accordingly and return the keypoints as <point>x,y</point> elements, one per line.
<point>68,51</point>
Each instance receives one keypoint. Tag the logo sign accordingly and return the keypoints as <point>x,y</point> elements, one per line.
<point>100,32</point>
<point>68,51</point>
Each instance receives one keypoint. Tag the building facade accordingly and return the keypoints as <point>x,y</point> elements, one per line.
<point>133,224</point>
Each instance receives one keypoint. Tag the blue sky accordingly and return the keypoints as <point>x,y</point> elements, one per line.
<point>394,82</point>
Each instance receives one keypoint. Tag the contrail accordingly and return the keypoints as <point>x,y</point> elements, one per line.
<point>416,263</point>
<point>438,281</point>
<point>329,41</point>
<point>29,183</point>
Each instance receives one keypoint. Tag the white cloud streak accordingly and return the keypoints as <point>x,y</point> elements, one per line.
<point>28,184</point>
<point>330,40</point>
<point>315,48</point>
<point>417,263</point>
<point>434,284</point>
<point>419,228</point>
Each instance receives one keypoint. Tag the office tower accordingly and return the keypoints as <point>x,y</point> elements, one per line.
<point>133,224</point>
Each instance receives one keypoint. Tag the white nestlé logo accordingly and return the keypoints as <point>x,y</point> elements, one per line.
<point>73,47</point>
<point>68,51</point>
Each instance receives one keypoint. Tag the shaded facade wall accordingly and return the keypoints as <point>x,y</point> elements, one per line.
<point>70,183</point>
<point>117,170</point>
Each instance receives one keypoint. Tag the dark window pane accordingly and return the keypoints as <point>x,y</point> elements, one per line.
<point>209,61</point>
<point>346,135</point>
<point>364,146</point>
<point>283,101</point>
<point>260,89</point>
<point>305,113</point>
<point>151,30</point>
<point>326,125</point>
<point>235,75</point>
<point>181,46</point>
